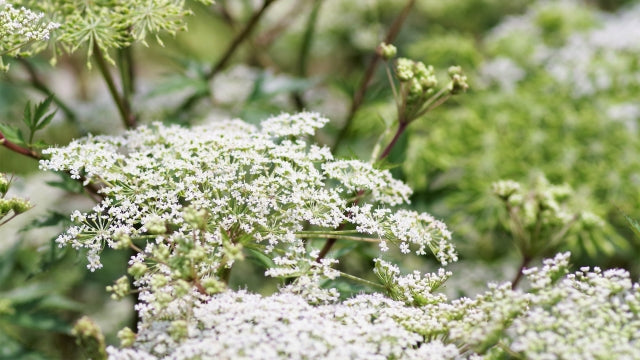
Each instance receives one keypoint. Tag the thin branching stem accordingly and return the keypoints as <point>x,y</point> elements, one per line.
<point>17,148</point>
<point>226,56</point>
<point>358,97</point>
<point>362,281</point>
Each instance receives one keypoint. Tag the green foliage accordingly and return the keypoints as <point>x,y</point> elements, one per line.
<point>546,108</point>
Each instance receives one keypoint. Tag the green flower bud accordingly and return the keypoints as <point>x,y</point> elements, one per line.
<point>181,287</point>
<point>19,205</point>
<point>156,226</point>
<point>90,338</point>
<point>4,184</point>
<point>157,282</point>
<point>5,206</point>
<point>196,254</point>
<point>163,299</point>
<point>404,69</point>
<point>458,82</point>
<point>137,270</point>
<point>213,286</point>
<point>196,218</point>
<point>505,188</point>
<point>387,51</point>
<point>127,337</point>
<point>161,252</point>
<point>121,240</point>
<point>120,289</point>
<point>178,329</point>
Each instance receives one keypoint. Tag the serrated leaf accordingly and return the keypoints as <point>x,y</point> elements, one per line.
<point>12,134</point>
<point>41,108</point>
<point>46,120</point>
<point>26,118</point>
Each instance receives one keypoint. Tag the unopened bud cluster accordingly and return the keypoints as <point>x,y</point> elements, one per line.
<point>9,208</point>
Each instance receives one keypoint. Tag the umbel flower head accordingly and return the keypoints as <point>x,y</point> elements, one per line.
<point>191,202</point>
<point>589,314</point>
<point>22,31</point>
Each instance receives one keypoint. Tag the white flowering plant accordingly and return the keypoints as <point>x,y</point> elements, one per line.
<point>244,229</point>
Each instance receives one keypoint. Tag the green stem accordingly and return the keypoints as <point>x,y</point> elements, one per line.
<point>125,58</point>
<point>363,281</point>
<point>128,119</point>
<point>305,49</point>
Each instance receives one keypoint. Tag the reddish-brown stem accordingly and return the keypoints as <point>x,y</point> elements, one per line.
<point>358,96</point>
<point>91,188</point>
<point>18,149</point>
<point>402,126</point>
<point>251,24</point>
<point>518,277</point>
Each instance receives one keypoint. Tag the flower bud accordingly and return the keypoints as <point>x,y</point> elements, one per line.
<point>137,270</point>
<point>127,337</point>
<point>387,51</point>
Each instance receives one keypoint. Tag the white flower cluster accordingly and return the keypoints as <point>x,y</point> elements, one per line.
<point>587,314</point>
<point>21,27</point>
<point>590,61</point>
<point>194,201</point>
<point>240,325</point>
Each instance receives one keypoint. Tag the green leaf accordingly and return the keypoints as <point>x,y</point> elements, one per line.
<point>38,321</point>
<point>178,83</point>
<point>58,302</point>
<point>260,258</point>
<point>67,183</point>
<point>52,218</point>
<point>635,226</point>
<point>41,108</point>
<point>12,134</point>
<point>27,115</point>
<point>47,119</point>
<point>7,260</point>
<point>28,293</point>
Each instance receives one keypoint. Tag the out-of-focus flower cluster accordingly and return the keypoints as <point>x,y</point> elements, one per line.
<point>192,202</point>
<point>561,84</point>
